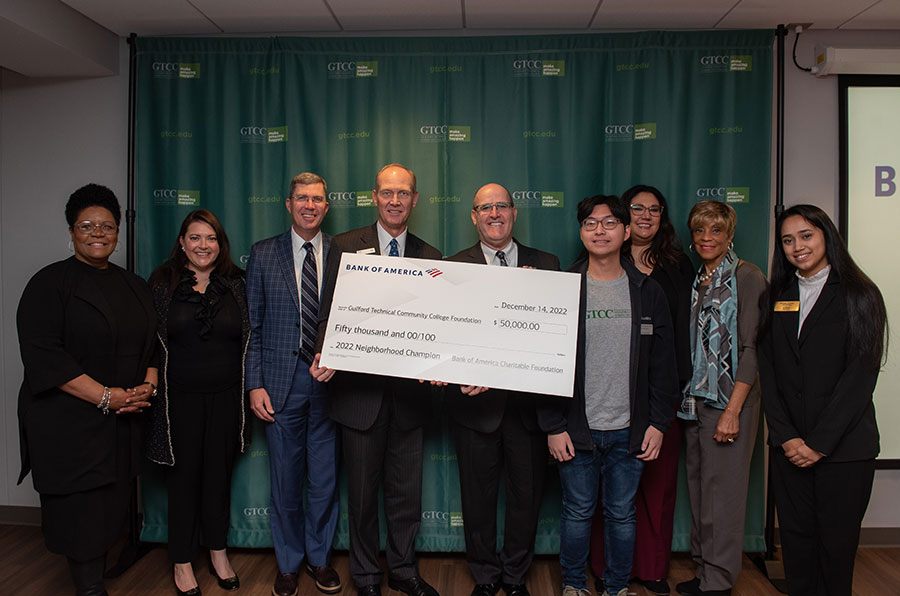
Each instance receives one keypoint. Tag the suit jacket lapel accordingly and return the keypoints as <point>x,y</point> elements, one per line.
<point>284,253</point>
<point>526,255</point>
<point>829,293</point>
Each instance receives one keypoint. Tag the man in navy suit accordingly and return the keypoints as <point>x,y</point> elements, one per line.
<point>284,282</point>
<point>498,429</point>
<point>381,418</point>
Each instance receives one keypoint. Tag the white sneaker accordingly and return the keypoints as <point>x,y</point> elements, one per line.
<point>573,591</point>
<point>622,592</point>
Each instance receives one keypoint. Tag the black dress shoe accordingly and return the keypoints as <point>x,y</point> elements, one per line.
<point>370,590</point>
<point>414,586</point>
<point>689,588</point>
<point>229,583</point>
<point>516,590</point>
<point>660,587</point>
<point>485,590</point>
<point>327,579</point>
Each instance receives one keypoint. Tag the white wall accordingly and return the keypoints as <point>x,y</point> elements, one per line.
<point>57,135</point>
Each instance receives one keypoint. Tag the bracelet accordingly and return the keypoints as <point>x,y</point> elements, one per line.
<point>104,401</point>
<point>152,393</point>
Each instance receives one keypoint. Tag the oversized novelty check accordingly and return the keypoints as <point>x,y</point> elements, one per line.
<point>499,327</point>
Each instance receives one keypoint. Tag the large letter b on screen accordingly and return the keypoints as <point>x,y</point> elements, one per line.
<point>884,181</point>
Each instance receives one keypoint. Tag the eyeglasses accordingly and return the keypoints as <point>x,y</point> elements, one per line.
<point>316,199</point>
<point>655,210</point>
<point>487,207</point>
<point>89,227</point>
<point>609,223</point>
<point>386,194</point>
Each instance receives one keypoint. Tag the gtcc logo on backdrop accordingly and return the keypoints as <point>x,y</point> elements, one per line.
<point>439,133</point>
<point>352,69</point>
<point>726,63</point>
<point>350,198</point>
<point>537,198</point>
<point>535,67</point>
<point>616,133</point>
<point>173,196</point>
<point>256,512</point>
<point>263,134</point>
<point>728,194</point>
<point>176,70</point>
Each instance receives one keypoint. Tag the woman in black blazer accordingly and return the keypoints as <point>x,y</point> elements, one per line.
<point>823,340</point>
<point>87,332</point>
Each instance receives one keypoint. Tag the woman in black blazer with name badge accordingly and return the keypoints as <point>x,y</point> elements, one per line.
<point>823,342</point>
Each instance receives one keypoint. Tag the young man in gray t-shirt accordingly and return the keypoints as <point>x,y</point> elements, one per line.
<point>625,390</point>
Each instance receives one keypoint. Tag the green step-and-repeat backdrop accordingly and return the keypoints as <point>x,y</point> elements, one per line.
<point>225,123</point>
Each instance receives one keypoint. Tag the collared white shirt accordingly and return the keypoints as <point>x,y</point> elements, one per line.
<point>511,251</point>
<point>810,288</point>
<point>300,255</point>
<point>384,240</point>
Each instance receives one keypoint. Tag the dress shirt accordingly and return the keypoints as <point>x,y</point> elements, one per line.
<point>384,240</point>
<point>511,251</point>
<point>810,288</point>
<point>300,254</point>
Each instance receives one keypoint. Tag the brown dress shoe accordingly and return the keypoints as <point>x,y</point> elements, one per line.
<point>285,585</point>
<point>327,579</point>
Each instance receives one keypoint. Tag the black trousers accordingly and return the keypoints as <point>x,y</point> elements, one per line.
<point>820,510</point>
<point>519,457</point>
<point>205,440</point>
<point>387,456</point>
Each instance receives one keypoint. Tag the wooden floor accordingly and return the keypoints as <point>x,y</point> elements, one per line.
<point>27,569</point>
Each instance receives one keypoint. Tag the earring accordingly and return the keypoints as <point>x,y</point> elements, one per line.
<point>70,246</point>
<point>731,246</point>
<point>691,247</point>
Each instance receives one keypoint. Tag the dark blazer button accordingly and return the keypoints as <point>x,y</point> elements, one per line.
<point>295,353</point>
<point>297,323</point>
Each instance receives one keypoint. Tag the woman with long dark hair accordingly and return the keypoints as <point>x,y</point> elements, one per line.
<point>823,341</point>
<point>199,424</point>
<point>656,251</point>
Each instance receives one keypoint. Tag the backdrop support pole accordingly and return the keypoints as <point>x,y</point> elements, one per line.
<point>133,549</point>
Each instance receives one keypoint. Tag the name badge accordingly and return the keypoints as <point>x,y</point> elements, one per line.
<point>646,328</point>
<point>787,306</point>
<point>366,251</point>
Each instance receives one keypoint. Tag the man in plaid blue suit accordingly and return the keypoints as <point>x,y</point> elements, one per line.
<point>284,282</point>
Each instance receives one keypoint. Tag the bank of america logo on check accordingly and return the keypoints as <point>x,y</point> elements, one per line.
<point>434,272</point>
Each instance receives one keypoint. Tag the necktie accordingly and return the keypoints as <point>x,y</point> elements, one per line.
<point>502,256</point>
<point>309,304</point>
<point>395,251</point>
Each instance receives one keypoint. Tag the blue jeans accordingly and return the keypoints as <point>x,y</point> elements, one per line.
<point>609,464</point>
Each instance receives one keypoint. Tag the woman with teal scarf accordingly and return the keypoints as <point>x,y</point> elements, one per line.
<point>721,401</point>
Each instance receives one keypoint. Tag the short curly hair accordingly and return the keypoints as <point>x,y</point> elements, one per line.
<point>92,195</point>
<point>709,212</point>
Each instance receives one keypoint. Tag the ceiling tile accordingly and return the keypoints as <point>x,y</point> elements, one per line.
<point>823,14</point>
<point>240,16</point>
<point>884,15</point>
<point>151,17</point>
<point>397,15</point>
<point>653,14</point>
<point>529,14</point>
